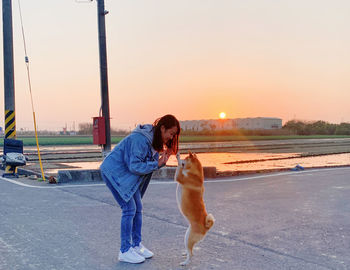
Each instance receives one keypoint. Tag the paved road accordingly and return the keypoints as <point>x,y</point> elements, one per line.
<point>289,220</point>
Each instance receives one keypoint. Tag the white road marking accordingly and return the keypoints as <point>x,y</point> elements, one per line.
<point>41,187</point>
<point>155,182</point>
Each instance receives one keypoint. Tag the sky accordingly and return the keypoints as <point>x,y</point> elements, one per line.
<point>191,58</point>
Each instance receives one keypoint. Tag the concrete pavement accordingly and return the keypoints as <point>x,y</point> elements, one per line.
<point>286,220</point>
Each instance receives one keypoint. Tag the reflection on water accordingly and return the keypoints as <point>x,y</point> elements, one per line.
<point>266,161</point>
<point>306,162</point>
<point>248,161</point>
<point>221,159</point>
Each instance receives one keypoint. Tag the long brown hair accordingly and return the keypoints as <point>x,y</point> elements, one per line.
<point>168,121</point>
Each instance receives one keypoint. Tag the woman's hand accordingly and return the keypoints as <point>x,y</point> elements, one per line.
<point>163,158</point>
<point>169,151</point>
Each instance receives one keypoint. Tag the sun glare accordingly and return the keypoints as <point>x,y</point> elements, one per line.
<point>222,115</point>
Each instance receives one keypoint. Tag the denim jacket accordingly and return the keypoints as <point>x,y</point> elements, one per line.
<point>128,164</point>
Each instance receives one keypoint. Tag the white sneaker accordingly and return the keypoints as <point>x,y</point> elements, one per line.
<point>130,256</point>
<point>143,251</point>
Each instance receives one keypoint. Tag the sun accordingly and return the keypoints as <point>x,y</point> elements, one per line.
<point>222,115</point>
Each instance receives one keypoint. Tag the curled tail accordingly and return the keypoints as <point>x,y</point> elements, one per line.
<point>209,221</point>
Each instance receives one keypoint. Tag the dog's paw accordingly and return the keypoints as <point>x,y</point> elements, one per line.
<point>184,254</point>
<point>185,263</point>
<point>188,259</point>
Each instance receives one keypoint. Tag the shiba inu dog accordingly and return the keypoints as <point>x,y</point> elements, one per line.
<point>190,177</point>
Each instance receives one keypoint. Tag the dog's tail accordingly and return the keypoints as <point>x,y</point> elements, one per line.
<point>209,221</point>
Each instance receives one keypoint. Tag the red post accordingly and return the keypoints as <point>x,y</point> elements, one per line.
<point>99,131</point>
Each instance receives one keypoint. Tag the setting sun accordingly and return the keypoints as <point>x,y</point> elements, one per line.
<point>222,115</point>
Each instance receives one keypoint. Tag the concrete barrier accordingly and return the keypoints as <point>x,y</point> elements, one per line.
<point>169,173</point>
<point>66,176</point>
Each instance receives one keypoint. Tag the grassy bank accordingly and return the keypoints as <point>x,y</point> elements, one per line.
<point>81,140</point>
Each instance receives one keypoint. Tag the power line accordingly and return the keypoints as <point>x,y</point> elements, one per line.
<point>30,89</point>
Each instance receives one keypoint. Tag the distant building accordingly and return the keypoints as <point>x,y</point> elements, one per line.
<point>228,124</point>
<point>64,131</point>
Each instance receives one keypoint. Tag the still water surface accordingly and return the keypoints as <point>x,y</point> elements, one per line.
<point>250,161</point>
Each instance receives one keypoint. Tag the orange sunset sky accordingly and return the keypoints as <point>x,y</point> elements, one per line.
<point>191,58</point>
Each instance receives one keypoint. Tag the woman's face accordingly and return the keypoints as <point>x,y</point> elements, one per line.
<point>168,134</point>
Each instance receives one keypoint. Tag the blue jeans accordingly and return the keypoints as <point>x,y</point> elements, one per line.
<point>131,222</point>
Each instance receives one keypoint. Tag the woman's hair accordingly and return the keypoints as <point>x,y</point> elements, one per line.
<point>168,121</point>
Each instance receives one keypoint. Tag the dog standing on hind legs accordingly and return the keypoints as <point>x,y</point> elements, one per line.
<point>190,177</point>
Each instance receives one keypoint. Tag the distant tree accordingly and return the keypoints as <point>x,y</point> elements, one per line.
<point>85,129</point>
<point>119,132</point>
<point>322,128</point>
<point>317,128</point>
<point>296,126</point>
<point>342,129</point>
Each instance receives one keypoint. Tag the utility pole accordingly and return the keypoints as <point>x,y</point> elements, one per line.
<point>9,78</point>
<point>101,13</point>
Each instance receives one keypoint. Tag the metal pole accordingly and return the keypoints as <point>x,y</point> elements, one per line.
<point>101,12</point>
<point>9,78</point>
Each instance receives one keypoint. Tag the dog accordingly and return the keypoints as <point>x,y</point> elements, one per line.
<point>190,177</point>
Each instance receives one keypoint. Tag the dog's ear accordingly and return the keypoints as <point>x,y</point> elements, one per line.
<point>194,154</point>
<point>189,153</point>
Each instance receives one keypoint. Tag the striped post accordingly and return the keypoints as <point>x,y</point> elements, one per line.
<point>9,80</point>
<point>10,124</point>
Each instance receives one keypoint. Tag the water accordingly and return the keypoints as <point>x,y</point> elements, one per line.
<point>245,161</point>
<point>265,161</point>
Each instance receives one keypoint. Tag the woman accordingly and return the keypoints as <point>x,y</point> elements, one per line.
<point>127,170</point>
